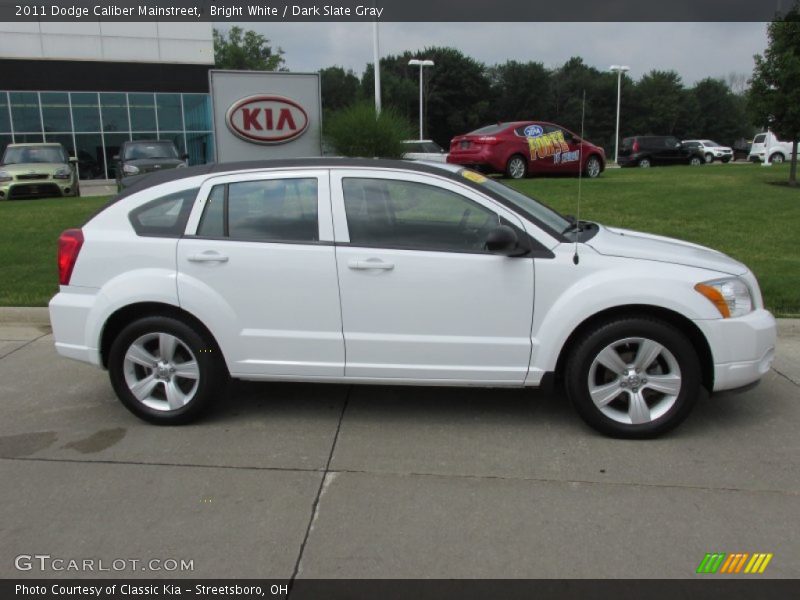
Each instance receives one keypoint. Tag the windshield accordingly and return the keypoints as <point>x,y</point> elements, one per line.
<point>710,143</point>
<point>527,205</point>
<point>21,155</point>
<point>150,150</point>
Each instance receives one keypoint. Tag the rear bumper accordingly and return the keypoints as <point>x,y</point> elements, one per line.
<point>482,160</point>
<point>743,348</point>
<point>69,317</point>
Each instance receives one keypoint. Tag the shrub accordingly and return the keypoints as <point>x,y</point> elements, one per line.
<point>355,131</point>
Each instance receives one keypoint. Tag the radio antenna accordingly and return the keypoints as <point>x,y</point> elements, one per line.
<point>575,258</point>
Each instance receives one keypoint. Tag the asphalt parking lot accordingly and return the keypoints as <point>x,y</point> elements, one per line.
<point>324,481</point>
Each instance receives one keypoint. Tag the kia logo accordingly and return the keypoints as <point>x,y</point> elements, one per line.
<point>267,119</point>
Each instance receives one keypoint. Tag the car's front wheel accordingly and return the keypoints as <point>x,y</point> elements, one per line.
<point>516,167</point>
<point>633,377</point>
<point>164,371</point>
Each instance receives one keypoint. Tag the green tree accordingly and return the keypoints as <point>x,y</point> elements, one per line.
<point>340,88</point>
<point>519,90</point>
<point>456,93</point>
<point>246,51</point>
<point>775,87</point>
<point>720,113</point>
<point>659,103</point>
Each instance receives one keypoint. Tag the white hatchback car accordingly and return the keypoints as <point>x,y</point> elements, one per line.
<point>369,271</point>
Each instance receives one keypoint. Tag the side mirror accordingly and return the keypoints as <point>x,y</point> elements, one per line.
<point>73,159</point>
<point>115,157</point>
<point>184,157</point>
<point>503,240</point>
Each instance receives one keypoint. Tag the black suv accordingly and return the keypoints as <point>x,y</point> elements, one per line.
<point>144,156</point>
<point>651,150</point>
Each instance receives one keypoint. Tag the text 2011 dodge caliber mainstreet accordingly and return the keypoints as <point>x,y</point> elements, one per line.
<point>371,271</point>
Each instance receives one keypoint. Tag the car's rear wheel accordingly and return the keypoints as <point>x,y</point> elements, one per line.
<point>592,167</point>
<point>696,161</point>
<point>644,163</point>
<point>776,158</point>
<point>517,167</point>
<point>709,158</point>
<point>633,377</point>
<point>164,371</point>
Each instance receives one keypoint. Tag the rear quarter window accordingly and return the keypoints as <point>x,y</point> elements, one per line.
<point>165,216</point>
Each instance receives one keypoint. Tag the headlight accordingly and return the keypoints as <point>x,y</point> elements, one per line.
<point>5,176</point>
<point>731,296</point>
<point>63,173</point>
<point>130,169</point>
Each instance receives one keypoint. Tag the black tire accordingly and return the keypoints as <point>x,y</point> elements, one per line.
<point>726,159</point>
<point>593,167</point>
<point>517,167</point>
<point>586,350</point>
<point>776,158</point>
<point>210,365</point>
<point>709,158</point>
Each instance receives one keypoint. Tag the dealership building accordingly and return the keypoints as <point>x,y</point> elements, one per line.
<point>91,86</point>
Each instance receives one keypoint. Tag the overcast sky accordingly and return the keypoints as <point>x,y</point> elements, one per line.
<point>694,50</point>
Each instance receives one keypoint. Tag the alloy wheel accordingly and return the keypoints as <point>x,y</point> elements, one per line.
<point>161,371</point>
<point>634,380</point>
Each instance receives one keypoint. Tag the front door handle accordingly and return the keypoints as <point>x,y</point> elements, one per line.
<point>207,257</point>
<point>371,263</point>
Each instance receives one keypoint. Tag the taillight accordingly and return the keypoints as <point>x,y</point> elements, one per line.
<point>69,245</point>
<point>635,145</point>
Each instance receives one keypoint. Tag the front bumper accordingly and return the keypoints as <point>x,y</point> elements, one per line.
<point>37,188</point>
<point>742,348</point>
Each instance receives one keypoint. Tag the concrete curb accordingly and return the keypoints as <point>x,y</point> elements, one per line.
<point>25,315</point>
<point>39,316</point>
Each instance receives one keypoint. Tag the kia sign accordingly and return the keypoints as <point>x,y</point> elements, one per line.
<point>264,115</point>
<point>267,119</point>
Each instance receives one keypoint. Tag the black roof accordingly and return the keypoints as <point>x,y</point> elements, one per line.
<point>137,183</point>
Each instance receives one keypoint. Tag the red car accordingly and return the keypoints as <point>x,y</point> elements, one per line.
<point>522,147</point>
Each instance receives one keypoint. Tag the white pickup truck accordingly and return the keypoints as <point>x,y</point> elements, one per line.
<point>766,144</point>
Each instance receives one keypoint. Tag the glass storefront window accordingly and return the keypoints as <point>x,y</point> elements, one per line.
<point>114,109</point>
<point>5,121</point>
<point>143,112</point>
<point>99,122</point>
<point>25,111</point>
<point>200,148</point>
<point>113,143</point>
<point>85,113</point>
<point>65,139</point>
<point>168,109</point>
<point>5,140</point>
<point>197,112</point>
<point>90,156</point>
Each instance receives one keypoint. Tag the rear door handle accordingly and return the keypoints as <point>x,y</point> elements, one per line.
<point>207,257</point>
<point>372,263</point>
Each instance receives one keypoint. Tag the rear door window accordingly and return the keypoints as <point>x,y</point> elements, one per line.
<point>271,210</point>
<point>759,139</point>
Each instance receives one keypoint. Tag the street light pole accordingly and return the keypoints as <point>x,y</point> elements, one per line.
<point>421,64</point>
<point>619,70</point>
<point>376,58</point>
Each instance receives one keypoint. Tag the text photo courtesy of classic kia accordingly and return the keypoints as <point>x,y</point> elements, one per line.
<point>371,271</point>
